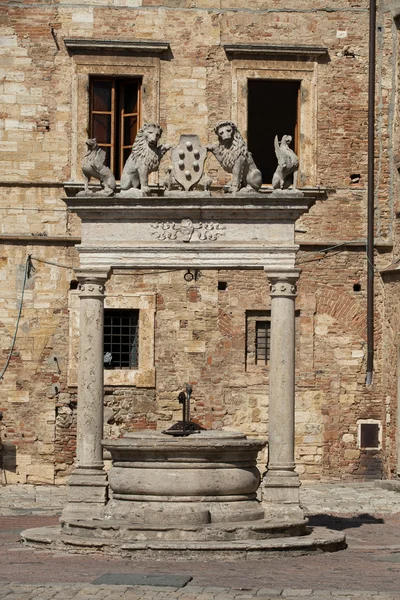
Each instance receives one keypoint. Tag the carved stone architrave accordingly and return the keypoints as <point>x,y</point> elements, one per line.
<point>188,159</point>
<point>183,232</point>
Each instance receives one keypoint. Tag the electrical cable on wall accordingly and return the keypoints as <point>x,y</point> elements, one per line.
<point>48,262</point>
<point>29,269</point>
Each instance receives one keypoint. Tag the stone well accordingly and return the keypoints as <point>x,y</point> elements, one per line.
<point>210,477</point>
<point>191,497</point>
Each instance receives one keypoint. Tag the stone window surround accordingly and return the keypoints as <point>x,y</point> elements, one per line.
<point>274,67</point>
<point>90,60</point>
<point>369,422</point>
<point>144,375</point>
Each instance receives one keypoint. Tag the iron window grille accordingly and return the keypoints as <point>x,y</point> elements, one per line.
<point>263,342</point>
<point>121,339</point>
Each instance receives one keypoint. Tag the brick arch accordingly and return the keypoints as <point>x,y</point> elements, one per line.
<point>347,310</point>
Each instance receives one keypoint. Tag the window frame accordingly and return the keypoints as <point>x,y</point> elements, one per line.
<point>252,318</point>
<point>295,146</point>
<point>266,354</point>
<point>144,374</point>
<point>133,316</point>
<point>118,116</point>
<point>303,71</point>
<point>376,422</point>
<point>86,66</point>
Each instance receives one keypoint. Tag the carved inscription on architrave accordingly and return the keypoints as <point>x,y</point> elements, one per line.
<point>186,229</point>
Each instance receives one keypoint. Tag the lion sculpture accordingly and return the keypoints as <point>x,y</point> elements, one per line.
<point>144,159</point>
<point>234,157</point>
<point>288,163</point>
<point>93,166</point>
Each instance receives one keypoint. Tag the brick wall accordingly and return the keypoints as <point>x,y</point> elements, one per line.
<point>200,331</point>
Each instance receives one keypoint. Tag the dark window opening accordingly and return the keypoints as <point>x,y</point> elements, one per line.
<point>263,342</point>
<point>369,435</point>
<point>273,109</point>
<point>357,287</point>
<point>121,339</point>
<point>222,285</point>
<point>115,118</point>
<point>73,284</point>
<point>355,178</point>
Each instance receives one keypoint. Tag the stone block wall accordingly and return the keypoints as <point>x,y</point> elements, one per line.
<point>200,331</point>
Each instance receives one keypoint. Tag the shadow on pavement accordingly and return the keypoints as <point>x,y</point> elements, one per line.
<point>341,523</point>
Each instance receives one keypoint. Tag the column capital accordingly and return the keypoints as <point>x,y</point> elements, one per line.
<point>91,282</point>
<point>283,283</point>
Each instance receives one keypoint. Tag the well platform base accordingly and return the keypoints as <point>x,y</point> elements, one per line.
<point>315,540</point>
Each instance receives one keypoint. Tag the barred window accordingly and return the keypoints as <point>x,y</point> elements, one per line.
<point>263,342</point>
<point>121,339</point>
<point>115,115</point>
<point>258,338</point>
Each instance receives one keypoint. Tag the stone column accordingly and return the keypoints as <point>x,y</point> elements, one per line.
<point>87,485</point>
<point>280,488</point>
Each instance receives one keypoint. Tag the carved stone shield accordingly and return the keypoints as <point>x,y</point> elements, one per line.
<point>188,159</point>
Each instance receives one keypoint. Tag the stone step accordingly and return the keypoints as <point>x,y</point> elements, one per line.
<point>122,530</point>
<point>318,539</point>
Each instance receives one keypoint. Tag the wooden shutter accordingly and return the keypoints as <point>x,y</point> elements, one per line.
<point>102,116</point>
<point>129,113</point>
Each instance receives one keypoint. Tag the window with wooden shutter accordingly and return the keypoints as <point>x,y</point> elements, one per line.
<point>115,117</point>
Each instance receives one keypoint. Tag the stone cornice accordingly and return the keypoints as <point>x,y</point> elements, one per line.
<point>79,45</point>
<point>269,51</point>
<point>71,188</point>
<point>232,207</point>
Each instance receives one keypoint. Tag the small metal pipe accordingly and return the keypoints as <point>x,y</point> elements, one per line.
<point>371,194</point>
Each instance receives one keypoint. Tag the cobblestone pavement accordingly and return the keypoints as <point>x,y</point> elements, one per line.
<point>369,568</point>
<point>116,592</point>
<point>349,498</point>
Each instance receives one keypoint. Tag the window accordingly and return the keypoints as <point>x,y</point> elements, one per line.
<point>136,348</point>
<point>115,117</point>
<point>369,434</point>
<point>273,109</point>
<point>121,339</point>
<point>266,84</point>
<point>263,342</point>
<point>258,336</point>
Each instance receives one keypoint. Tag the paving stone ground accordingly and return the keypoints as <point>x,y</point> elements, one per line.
<point>368,569</point>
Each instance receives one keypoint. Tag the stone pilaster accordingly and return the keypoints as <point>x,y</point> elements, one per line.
<point>87,485</point>
<point>280,488</point>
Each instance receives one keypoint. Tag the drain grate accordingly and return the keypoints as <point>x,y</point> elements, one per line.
<point>175,581</point>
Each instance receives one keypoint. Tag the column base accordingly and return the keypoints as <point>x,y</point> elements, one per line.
<point>280,495</point>
<point>86,494</point>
